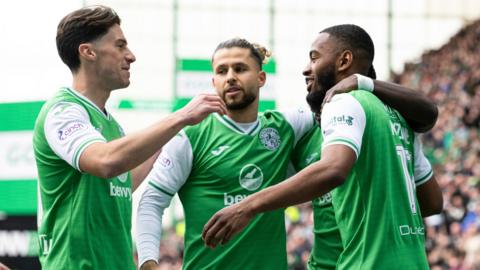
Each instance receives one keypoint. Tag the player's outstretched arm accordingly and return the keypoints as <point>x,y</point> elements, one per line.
<point>430,198</point>
<point>420,113</point>
<point>313,181</point>
<point>111,159</point>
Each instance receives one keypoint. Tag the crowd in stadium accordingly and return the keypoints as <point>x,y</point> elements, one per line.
<point>450,76</point>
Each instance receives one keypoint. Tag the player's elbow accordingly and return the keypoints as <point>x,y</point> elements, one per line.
<point>99,161</point>
<point>105,168</point>
<point>437,206</point>
<point>433,206</point>
<point>429,119</point>
<point>336,175</point>
<point>112,169</point>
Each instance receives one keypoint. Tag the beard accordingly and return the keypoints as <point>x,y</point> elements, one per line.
<point>322,83</point>
<point>241,104</point>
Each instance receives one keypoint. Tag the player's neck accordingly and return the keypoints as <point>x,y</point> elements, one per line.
<point>246,115</point>
<point>91,88</point>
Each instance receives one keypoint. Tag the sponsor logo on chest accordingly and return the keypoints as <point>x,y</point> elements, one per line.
<point>250,178</point>
<point>121,191</point>
<point>233,199</point>
<point>323,200</point>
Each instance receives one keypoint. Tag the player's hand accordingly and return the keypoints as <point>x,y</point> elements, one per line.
<point>3,267</point>
<point>150,265</point>
<point>225,224</point>
<point>346,85</point>
<point>200,107</point>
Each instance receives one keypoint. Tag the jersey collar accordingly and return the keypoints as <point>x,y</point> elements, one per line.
<point>87,102</point>
<point>228,122</point>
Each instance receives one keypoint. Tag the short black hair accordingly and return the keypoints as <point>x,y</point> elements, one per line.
<point>257,52</point>
<point>356,39</point>
<point>80,26</point>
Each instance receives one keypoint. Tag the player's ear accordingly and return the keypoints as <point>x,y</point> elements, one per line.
<point>345,60</point>
<point>86,51</point>
<point>262,78</point>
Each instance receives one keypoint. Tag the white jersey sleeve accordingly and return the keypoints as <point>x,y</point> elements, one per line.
<point>68,131</point>
<point>300,119</point>
<point>422,168</point>
<point>343,122</point>
<point>169,173</point>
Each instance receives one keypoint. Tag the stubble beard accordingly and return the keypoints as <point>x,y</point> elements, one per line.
<point>242,104</point>
<point>323,82</point>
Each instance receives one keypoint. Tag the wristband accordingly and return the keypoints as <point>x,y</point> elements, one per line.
<point>364,83</point>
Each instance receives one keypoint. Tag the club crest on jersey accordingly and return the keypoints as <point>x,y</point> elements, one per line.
<point>251,177</point>
<point>270,138</point>
<point>63,134</point>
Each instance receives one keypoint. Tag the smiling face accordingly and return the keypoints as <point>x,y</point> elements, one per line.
<point>320,72</point>
<point>113,59</point>
<point>237,77</point>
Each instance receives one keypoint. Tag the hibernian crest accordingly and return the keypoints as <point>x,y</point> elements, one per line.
<point>270,138</point>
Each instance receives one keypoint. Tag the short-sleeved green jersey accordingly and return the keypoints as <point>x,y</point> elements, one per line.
<point>86,221</point>
<point>376,208</point>
<point>327,243</point>
<point>228,164</point>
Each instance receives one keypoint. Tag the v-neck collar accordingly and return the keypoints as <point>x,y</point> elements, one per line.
<point>235,127</point>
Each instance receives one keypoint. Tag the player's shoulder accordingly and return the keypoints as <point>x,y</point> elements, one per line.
<point>354,100</point>
<point>288,113</point>
<point>342,101</point>
<point>352,95</point>
<point>61,98</point>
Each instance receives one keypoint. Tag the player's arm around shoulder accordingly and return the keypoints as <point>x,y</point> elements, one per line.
<point>419,111</point>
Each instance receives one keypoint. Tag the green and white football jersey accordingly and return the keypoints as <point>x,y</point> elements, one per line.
<point>215,164</point>
<point>376,208</point>
<point>327,243</point>
<point>86,220</point>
